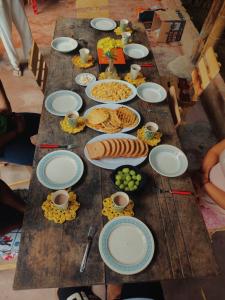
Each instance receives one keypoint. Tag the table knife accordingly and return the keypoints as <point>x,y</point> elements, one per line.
<point>57,146</point>
<point>91,234</point>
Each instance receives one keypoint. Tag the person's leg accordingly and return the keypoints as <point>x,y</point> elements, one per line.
<point>6,32</point>
<point>19,18</point>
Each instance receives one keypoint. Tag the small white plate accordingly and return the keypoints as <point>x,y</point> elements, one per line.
<point>64,44</point>
<point>115,106</point>
<point>168,160</point>
<point>95,83</point>
<point>59,169</point>
<point>84,79</point>
<point>136,51</point>
<point>103,24</point>
<point>113,163</point>
<point>151,92</point>
<point>62,102</point>
<point>126,245</point>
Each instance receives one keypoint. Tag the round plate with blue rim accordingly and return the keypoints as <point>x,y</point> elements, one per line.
<point>126,245</point>
<point>103,24</point>
<point>60,169</point>
<point>62,102</point>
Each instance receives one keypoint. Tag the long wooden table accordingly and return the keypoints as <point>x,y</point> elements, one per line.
<point>50,254</point>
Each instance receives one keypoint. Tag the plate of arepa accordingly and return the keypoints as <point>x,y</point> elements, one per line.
<point>112,118</point>
<point>110,151</point>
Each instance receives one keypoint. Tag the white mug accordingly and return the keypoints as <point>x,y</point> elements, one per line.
<point>125,37</point>
<point>84,54</point>
<point>150,129</point>
<point>72,118</point>
<point>123,24</point>
<point>134,71</point>
<point>120,200</point>
<point>60,199</point>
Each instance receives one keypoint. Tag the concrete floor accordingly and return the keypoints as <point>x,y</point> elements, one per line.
<point>25,95</point>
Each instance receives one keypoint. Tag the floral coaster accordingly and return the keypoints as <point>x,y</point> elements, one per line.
<point>104,75</point>
<point>67,128</point>
<point>57,215</point>
<point>118,31</point>
<point>109,212</point>
<point>78,63</point>
<point>139,80</point>
<point>151,142</point>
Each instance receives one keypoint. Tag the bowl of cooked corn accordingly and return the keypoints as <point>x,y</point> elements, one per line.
<point>111,91</point>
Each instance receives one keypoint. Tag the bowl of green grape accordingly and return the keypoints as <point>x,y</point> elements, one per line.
<point>128,179</point>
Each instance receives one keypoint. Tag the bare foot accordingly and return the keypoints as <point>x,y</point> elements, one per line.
<point>34,139</point>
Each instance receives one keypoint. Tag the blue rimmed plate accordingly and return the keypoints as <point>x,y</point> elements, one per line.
<point>126,245</point>
<point>59,169</point>
<point>62,102</point>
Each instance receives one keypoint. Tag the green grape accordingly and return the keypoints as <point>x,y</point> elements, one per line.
<point>126,188</point>
<point>139,177</point>
<point>137,183</point>
<point>125,183</point>
<point>132,172</point>
<point>128,178</point>
<point>118,183</point>
<point>125,170</point>
<point>120,173</point>
<point>118,177</point>
<point>134,177</point>
<point>130,184</point>
<point>121,186</point>
<point>135,187</point>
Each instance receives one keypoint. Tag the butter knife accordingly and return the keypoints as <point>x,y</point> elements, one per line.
<point>91,234</point>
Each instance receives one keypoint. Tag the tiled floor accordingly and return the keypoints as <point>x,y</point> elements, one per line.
<point>25,95</point>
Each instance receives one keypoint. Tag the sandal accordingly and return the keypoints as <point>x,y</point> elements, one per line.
<point>17,72</point>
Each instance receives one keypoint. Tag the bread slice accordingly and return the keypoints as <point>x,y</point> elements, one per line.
<point>96,150</point>
<point>108,148</point>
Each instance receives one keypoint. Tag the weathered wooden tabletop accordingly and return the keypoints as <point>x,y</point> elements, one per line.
<point>50,254</point>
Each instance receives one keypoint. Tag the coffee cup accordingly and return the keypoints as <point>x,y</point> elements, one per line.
<point>126,37</point>
<point>72,118</point>
<point>134,71</point>
<point>150,129</point>
<point>60,199</point>
<point>120,201</point>
<point>84,54</point>
<point>123,24</point>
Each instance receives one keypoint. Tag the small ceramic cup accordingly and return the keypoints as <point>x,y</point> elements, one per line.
<point>72,118</point>
<point>126,37</point>
<point>150,129</point>
<point>134,71</point>
<point>84,54</point>
<point>120,201</point>
<point>123,24</point>
<point>60,199</point>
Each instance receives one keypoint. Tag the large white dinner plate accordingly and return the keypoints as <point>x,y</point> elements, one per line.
<point>113,163</point>
<point>136,51</point>
<point>62,102</point>
<point>95,83</point>
<point>59,169</point>
<point>64,44</point>
<point>126,245</point>
<point>115,106</point>
<point>151,92</point>
<point>103,24</point>
<point>168,160</point>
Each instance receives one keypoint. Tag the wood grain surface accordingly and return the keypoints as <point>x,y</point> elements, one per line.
<point>50,254</point>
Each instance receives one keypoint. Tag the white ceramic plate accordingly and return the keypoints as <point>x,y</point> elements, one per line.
<point>151,92</point>
<point>168,160</point>
<point>59,169</point>
<point>93,84</point>
<point>64,44</point>
<point>113,163</point>
<point>103,24</point>
<point>126,245</point>
<point>136,51</point>
<point>115,106</point>
<point>82,77</point>
<point>62,102</point>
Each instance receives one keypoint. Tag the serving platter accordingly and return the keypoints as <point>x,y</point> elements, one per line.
<point>92,85</point>
<point>59,169</point>
<point>62,102</point>
<point>151,92</point>
<point>168,160</point>
<point>103,24</point>
<point>114,106</point>
<point>113,163</point>
<point>136,51</point>
<point>64,44</point>
<point>126,245</point>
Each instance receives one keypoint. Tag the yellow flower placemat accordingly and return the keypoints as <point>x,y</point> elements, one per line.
<point>151,142</point>
<point>139,80</point>
<point>104,75</point>
<point>76,60</point>
<point>109,212</point>
<point>118,31</point>
<point>57,215</point>
<point>67,128</point>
